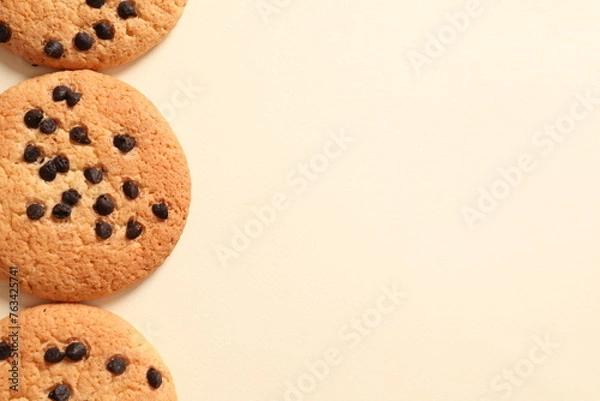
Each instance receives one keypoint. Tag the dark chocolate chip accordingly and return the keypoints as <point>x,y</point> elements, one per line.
<point>71,197</point>
<point>60,93</point>
<point>83,41</point>
<point>35,211</point>
<point>104,30</point>
<point>126,10</point>
<point>103,230</point>
<point>54,49</point>
<point>154,378</point>
<point>5,351</point>
<point>93,175</point>
<point>73,98</point>
<point>60,393</point>
<point>32,153</point>
<point>76,351</point>
<point>62,164</point>
<point>48,171</point>
<point>95,3</point>
<point>80,135</point>
<point>53,355</point>
<point>134,229</point>
<point>61,211</point>
<point>161,210</point>
<point>116,365</point>
<point>124,143</point>
<point>104,205</point>
<point>5,33</point>
<point>48,126</point>
<point>130,189</point>
<point>33,118</point>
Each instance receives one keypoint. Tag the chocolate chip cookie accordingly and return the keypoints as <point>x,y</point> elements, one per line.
<point>95,186</point>
<point>65,352</point>
<point>92,34</point>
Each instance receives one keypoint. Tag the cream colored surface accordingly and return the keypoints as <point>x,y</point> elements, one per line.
<point>258,99</point>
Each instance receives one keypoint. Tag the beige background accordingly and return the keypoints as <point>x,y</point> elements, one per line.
<point>263,91</point>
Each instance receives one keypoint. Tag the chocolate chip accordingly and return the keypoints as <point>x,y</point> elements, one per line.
<point>73,98</point>
<point>95,3</point>
<point>130,189</point>
<point>48,126</point>
<point>5,33</point>
<point>124,143</point>
<point>104,30</point>
<point>154,378</point>
<point>161,210</point>
<point>62,164</point>
<point>80,135</point>
<point>33,118</point>
<point>5,351</point>
<point>83,41</point>
<point>126,10</point>
<point>103,230</point>
<point>93,175</point>
<point>60,393</point>
<point>61,211</point>
<point>60,93</point>
<point>104,205</point>
<point>53,355</point>
<point>48,171</point>
<point>76,351</point>
<point>35,211</point>
<point>71,197</point>
<point>32,153</point>
<point>116,365</point>
<point>54,49</point>
<point>134,229</point>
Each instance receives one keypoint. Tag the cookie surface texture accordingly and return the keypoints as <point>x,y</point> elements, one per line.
<point>68,352</point>
<point>95,186</point>
<point>85,34</point>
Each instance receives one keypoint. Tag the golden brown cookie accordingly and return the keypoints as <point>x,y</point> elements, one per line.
<point>93,34</point>
<point>95,186</point>
<point>69,352</point>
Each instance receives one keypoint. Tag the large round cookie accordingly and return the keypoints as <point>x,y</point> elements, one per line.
<point>95,186</point>
<point>74,352</point>
<point>93,34</point>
